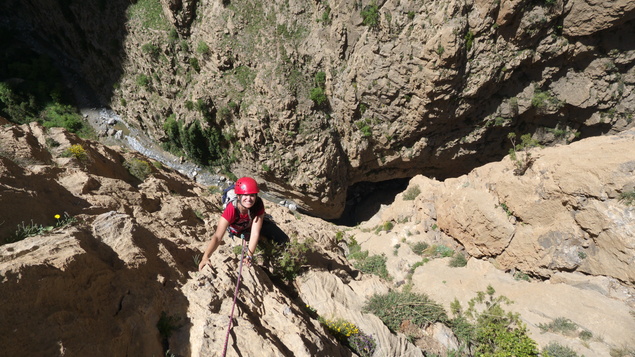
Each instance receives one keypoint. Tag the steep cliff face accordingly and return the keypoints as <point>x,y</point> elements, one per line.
<point>116,273</point>
<point>313,97</point>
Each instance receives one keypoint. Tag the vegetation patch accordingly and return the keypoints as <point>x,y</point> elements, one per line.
<point>138,168</point>
<point>149,13</point>
<point>285,261</point>
<point>519,153</point>
<point>419,247</point>
<point>204,146</point>
<point>370,15</point>
<point>628,197</point>
<point>374,264</point>
<point>457,261</point>
<point>364,127</point>
<point>32,229</point>
<point>395,307</point>
<point>76,151</point>
<point>166,326</point>
<point>31,89</point>
<point>488,330</point>
<point>317,93</point>
<point>554,349</point>
<point>348,334</point>
<point>412,193</point>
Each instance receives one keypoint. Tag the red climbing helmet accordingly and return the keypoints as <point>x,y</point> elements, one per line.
<point>246,186</point>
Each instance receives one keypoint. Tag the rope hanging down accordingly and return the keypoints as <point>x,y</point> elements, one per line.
<point>240,270</point>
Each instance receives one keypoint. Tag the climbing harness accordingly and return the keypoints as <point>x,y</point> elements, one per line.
<point>240,270</point>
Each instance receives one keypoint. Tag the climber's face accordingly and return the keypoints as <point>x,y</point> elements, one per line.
<point>248,201</point>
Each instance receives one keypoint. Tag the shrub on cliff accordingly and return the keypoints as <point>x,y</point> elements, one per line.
<point>488,330</point>
<point>395,307</point>
<point>138,168</point>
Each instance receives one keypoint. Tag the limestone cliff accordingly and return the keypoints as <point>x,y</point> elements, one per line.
<point>116,272</point>
<point>399,88</point>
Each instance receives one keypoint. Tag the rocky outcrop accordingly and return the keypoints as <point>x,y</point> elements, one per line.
<point>410,88</point>
<point>116,274</point>
<point>566,213</point>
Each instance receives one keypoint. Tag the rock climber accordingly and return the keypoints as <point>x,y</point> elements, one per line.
<point>243,216</point>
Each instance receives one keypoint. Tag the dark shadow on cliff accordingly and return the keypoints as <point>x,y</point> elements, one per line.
<point>364,199</point>
<point>83,38</point>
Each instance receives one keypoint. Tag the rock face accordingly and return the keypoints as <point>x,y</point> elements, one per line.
<point>565,214</point>
<point>116,273</point>
<point>409,88</point>
<point>121,277</point>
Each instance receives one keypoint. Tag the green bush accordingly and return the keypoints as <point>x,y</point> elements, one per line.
<point>245,75</point>
<point>202,48</point>
<point>585,335</point>
<point>65,116</point>
<point>387,226</point>
<point>355,251</point>
<point>172,129</point>
<point>364,126</point>
<point>628,197</point>
<point>339,236</point>
<point>458,261</point>
<point>543,100</point>
<point>173,36</point>
<point>143,80</point>
<point>394,308</point>
<point>320,79</point>
<point>519,153</point>
<point>138,168</point>
<point>419,247</point>
<point>29,230</point>
<point>560,325</point>
<point>412,193</point>
<point>194,64</point>
<point>554,349</point>
<point>29,85</point>
<point>17,107</point>
<point>166,325</point>
<point>362,344</point>
<point>374,264</point>
<point>203,146</point>
<point>318,96</point>
<point>326,16</point>
<point>491,331</point>
<point>469,40</point>
<point>418,264</point>
<point>540,99</point>
<point>370,15</point>
<point>152,50</point>
<point>285,261</point>
<point>442,251</point>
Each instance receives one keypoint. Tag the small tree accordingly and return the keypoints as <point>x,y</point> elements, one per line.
<point>520,154</point>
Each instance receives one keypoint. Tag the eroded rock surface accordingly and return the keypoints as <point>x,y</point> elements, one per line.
<point>122,277</point>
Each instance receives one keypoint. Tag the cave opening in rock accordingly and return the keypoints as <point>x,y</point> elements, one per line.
<point>364,199</point>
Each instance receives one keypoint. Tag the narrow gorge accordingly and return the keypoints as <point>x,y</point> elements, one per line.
<point>428,150</point>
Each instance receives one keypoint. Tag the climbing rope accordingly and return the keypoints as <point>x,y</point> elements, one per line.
<point>231,316</point>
